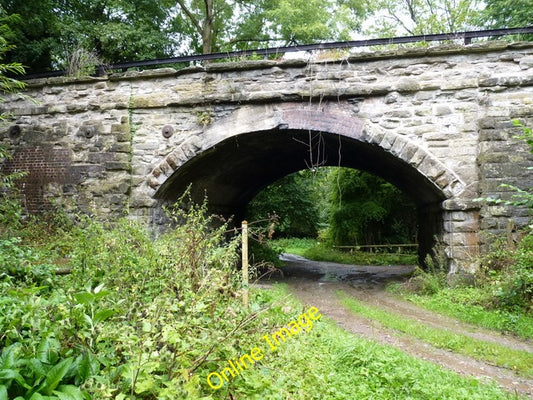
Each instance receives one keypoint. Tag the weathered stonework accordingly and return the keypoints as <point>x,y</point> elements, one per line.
<point>437,122</point>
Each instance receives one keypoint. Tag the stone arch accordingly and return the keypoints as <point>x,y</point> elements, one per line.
<point>288,117</point>
<point>237,156</point>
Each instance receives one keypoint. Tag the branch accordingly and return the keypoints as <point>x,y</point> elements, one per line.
<point>248,318</point>
<point>430,5</point>
<point>190,15</point>
<point>208,11</point>
<point>412,13</point>
<point>392,15</point>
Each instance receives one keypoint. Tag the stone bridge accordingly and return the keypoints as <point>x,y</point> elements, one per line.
<point>436,122</point>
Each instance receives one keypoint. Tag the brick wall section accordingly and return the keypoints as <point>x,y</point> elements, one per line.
<point>42,166</point>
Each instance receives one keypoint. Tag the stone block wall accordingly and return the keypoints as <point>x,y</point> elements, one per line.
<point>77,160</point>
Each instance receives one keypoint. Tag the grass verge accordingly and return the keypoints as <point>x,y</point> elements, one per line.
<point>296,246</point>
<point>329,363</point>
<point>519,361</point>
<point>456,303</point>
<point>313,250</point>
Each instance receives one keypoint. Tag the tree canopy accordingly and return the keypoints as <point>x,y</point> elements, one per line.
<point>292,199</point>
<point>365,209</point>
<point>31,28</point>
<point>507,13</point>
<point>419,17</point>
<point>45,32</point>
<point>117,30</point>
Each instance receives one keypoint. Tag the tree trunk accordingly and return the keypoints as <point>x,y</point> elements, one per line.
<point>207,29</point>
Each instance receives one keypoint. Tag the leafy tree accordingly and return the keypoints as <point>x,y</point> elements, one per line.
<point>31,26</point>
<point>419,17</point>
<point>47,31</point>
<point>118,30</point>
<point>365,209</point>
<point>223,25</point>
<point>508,14</point>
<point>306,21</point>
<point>292,200</point>
<point>200,24</point>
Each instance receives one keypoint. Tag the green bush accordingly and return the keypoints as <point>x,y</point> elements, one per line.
<point>513,284</point>
<point>426,283</point>
<point>20,262</point>
<point>261,253</point>
<point>291,201</point>
<point>127,298</point>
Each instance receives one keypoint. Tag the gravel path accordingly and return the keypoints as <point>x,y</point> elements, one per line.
<point>317,283</point>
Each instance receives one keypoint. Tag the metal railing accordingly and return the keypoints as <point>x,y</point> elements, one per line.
<point>466,37</point>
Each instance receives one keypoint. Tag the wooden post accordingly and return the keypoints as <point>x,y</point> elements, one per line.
<point>245,263</point>
<point>509,230</point>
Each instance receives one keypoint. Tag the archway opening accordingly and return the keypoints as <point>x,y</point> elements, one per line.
<point>233,171</point>
<point>337,213</point>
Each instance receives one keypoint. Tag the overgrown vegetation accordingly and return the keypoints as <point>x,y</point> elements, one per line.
<point>82,63</point>
<point>137,318</point>
<point>499,296</point>
<point>143,319</point>
<point>129,319</point>
<point>10,208</point>
<point>293,200</point>
<point>365,209</point>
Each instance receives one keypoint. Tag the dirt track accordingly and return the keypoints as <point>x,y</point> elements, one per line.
<point>316,284</point>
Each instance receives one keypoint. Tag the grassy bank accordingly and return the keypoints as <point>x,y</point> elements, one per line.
<point>314,250</point>
<point>469,304</point>
<point>498,297</point>
<point>519,361</point>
